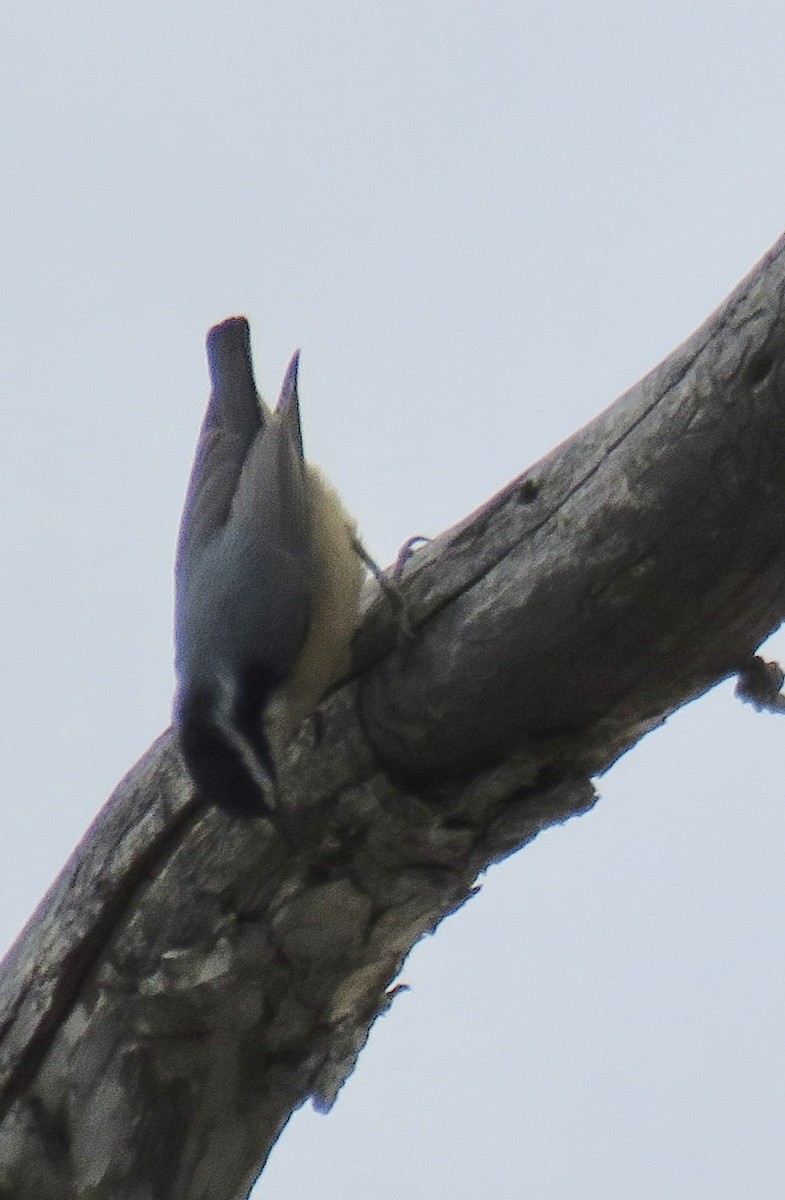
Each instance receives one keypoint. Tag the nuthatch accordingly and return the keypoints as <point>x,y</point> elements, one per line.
<point>267,584</point>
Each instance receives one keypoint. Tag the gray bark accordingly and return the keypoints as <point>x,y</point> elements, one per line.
<point>190,980</point>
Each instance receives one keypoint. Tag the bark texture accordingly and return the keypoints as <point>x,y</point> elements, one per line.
<point>191,980</point>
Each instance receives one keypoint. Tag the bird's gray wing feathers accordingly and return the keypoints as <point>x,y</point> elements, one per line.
<point>243,567</point>
<point>234,418</point>
<point>268,534</point>
<point>271,498</point>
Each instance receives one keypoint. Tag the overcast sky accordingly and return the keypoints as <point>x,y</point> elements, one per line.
<point>481,223</point>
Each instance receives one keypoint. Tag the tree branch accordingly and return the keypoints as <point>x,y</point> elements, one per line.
<point>189,980</point>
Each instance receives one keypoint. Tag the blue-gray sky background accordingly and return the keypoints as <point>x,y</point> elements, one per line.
<point>481,223</point>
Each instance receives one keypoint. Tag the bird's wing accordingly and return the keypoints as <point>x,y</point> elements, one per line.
<point>235,417</point>
<point>270,523</point>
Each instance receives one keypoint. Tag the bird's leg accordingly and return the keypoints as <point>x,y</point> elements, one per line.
<point>390,587</point>
<point>405,553</point>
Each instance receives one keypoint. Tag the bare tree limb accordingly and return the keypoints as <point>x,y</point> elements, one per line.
<point>189,980</point>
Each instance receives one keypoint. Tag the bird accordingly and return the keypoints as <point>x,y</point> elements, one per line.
<point>267,584</point>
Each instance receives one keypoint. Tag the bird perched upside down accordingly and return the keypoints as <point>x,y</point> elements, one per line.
<point>267,584</point>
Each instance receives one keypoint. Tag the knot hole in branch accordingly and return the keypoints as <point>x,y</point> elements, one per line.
<point>759,367</point>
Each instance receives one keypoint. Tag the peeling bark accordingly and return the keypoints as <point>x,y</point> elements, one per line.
<point>190,980</point>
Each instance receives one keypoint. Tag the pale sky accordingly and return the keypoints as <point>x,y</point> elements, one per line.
<point>481,223</point>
